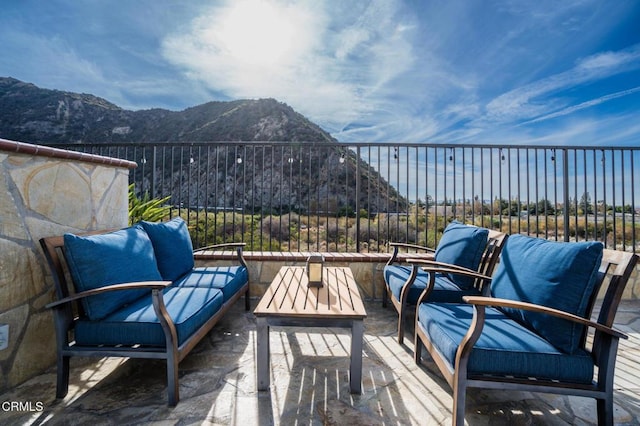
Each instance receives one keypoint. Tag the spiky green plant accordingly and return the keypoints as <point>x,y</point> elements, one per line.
<point>146,208</point>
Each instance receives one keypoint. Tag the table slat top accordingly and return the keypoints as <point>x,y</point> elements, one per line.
<point>290,296</point>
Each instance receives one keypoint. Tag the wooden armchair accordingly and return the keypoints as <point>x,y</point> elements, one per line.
<point>463,248</point>
<point>532,334</point>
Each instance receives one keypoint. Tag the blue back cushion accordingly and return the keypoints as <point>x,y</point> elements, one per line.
<point>172,245</point>
<point>112,258</point>
<point>553,274</point>
<point>462,245</point>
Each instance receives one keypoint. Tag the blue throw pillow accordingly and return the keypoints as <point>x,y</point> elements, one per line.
<point>172,245</point>
<point>113,258</point>
<point>462,245</point>
<point>558,275</point>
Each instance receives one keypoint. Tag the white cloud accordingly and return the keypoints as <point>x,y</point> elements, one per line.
<point>325,64</point>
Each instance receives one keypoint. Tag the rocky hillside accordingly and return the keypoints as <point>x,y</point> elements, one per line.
<point>52,117</point>
<point>43,116</point>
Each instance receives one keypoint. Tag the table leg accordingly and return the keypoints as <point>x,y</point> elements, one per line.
<point>355,368</point>
<point>262,341</point>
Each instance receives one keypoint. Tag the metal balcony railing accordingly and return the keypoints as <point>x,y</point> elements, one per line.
<point>294,196</point>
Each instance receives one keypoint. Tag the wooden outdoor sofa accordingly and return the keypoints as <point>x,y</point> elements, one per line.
<point>135,293</point>
<point>531,332</point>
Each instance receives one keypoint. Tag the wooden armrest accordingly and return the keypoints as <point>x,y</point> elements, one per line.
<point>506,303</point>
<point>153,285</point>
<point>429,264</point>
<point>412,246</point>
<point>219,246</point>
<point>446,268</point>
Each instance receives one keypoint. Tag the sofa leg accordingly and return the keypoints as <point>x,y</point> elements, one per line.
<point>247,302</point>
<point>605,411</point>
<point>401,326</point>
<point>173,386</point>
<point>459,401</point>
<point>417,350</point>
<point>62,385</point>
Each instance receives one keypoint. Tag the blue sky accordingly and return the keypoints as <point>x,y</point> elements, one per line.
<point>488,72</point>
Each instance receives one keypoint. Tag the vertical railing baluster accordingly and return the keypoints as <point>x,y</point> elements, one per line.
<point>633,203</point>
<point>565,191</point>
<point>426,196</point>
<point>623,213</point>
<point>357,201</point>
<point>613,198</point>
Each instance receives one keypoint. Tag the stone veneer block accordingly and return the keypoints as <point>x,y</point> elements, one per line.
<point>11,224</point>
<point>20,275</point>
<point>36,351</point>
<point>16,319</point>
<point>113,206</point>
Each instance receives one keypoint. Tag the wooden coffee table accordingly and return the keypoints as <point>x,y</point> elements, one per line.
<point>290,302</point>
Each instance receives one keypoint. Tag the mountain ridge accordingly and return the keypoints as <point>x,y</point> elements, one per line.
<point>48,116</point>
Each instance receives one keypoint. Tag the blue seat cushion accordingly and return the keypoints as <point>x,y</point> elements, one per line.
<point>462,245</point>
<point>558,275</point>
<point>228,279</point>
<point>505,346</point>
<point>444,290</point>
<point>173,247</point>
<point>117,257</point>
<point>138,324</point>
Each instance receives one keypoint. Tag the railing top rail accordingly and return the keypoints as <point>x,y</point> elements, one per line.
<point>360,144</point>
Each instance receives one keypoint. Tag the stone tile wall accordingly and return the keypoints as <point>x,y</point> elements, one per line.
<point>44,192</point>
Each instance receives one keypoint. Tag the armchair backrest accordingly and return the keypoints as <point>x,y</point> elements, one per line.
<point>462,245</point>
<point>554,274</point>
<point>471,247</point>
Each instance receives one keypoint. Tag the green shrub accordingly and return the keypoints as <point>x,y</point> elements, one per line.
<point>146,208</point>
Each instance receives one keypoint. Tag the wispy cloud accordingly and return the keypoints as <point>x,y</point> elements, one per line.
<point>532,100</point>
<point>324,62</point>
<point>583,105</point>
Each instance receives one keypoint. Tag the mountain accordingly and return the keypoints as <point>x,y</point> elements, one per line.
<point>52,117</point>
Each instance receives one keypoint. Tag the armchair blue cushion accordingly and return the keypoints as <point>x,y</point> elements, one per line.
<point>112,258</point>
<point>505,347</point>
<point>462,245</point>
<point>553,274</point>
<point>445,290</point>
<point>172,246</point>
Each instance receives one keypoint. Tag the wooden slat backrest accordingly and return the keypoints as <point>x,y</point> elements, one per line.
<point>615,270</point>
<point>495,242</point>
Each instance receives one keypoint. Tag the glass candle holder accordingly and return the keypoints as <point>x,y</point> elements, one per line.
<point>314,269</point>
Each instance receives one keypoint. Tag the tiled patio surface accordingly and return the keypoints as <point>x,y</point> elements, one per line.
<point>309,384</point>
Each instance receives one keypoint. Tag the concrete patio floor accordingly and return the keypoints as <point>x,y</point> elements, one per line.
<point>309,384</point>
